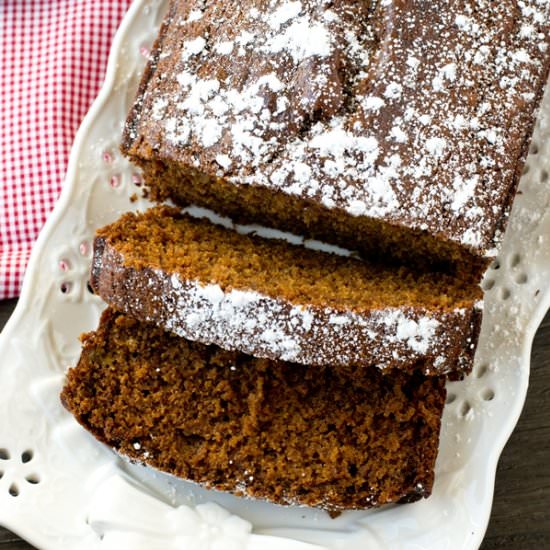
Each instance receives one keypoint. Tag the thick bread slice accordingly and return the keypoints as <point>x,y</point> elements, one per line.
<point>271,299</point>
<point>334,438</point>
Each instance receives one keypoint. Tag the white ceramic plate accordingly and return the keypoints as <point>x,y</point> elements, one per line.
<point>60,489</point>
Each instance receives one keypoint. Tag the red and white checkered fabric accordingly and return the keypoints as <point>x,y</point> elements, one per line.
<point>53,55</point>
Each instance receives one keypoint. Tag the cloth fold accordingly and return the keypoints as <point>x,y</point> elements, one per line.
<point>53,55</point>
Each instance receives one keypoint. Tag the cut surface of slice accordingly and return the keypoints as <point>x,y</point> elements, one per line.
<point>272,299</point>
<point>334,438</point>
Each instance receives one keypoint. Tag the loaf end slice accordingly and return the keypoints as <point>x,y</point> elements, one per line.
<point>333,438</point>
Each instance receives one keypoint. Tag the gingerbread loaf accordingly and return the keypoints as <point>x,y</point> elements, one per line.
<point>326,437</point>
<point>397,127</point>
<point>273,299</point>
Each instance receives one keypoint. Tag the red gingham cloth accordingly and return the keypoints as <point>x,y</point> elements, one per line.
<point>53,55</point>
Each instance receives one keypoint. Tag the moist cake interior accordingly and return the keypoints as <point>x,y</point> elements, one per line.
<point>335,438</point>
<point>162,238</point>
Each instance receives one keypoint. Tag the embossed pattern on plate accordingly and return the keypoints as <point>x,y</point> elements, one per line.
<point>60,489</point>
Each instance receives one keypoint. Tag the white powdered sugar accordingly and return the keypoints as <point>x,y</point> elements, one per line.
<point>301,40</point>
<point>193,47</point>
<point>373,103</point>
<point>406,133</point>
<point>302,37</point>
<point>393,90</point>
<point>398,134</point>
<point>224,48</point>
<point>159,108</point>
<point>211,132</point>
<point>464,191</point>
<point>282,14</point>
<point>177,131</point>
<point>471,238</point>
<point>194,15</point>
<point>255,323</point>
<point>224,161</point>
<point>417,334</point>
<point>337,142</point>
<point>206,313</point>
<point>436,146</point>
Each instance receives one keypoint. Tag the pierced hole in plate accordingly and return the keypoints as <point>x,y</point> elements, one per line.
<point>488,284</point>
<point>521,278</point>
<point>65,287</point>
<point>451,398</point>
<point>495,264</point>
<point>107,157</point>
<point>84,248</point>
<point>136,180</point>
<point>534,149</point>
<point>89,287</point>
<point>33,479</point>
<point>64,265</point>
<point>515,260</point>
<point>27,456</point>
<point>482,371</point>
<point>4,454</point>
<point>114,182</point>
<point>544,176</point>
<point>465,408</point>
<point>13,490</point>
<point>504,294</point>
<point>488,394</point>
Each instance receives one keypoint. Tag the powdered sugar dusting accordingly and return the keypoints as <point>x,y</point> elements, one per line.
<point>362,106</point>
<point>284,13</point>
<point>279,329</point>
<point>302,39</point>
<point>417,334</point>
<point>193,47</point>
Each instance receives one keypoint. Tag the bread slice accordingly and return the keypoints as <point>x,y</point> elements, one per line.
<point>388,127</point>
<point>272,299</point>
<point>334,438</point>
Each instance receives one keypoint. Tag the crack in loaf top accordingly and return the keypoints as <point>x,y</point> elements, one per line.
<point>414,112</point>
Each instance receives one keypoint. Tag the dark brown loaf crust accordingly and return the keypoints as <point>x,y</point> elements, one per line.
<point>147,265</point>
<point>330,438</point>
<point>399,126</point>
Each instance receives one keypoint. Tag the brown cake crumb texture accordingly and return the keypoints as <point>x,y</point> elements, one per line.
<point>397,127</point>
<point>272,299</point>
<point>335,438</point>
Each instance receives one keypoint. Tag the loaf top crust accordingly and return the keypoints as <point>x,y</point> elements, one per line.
<point>415,112</point>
